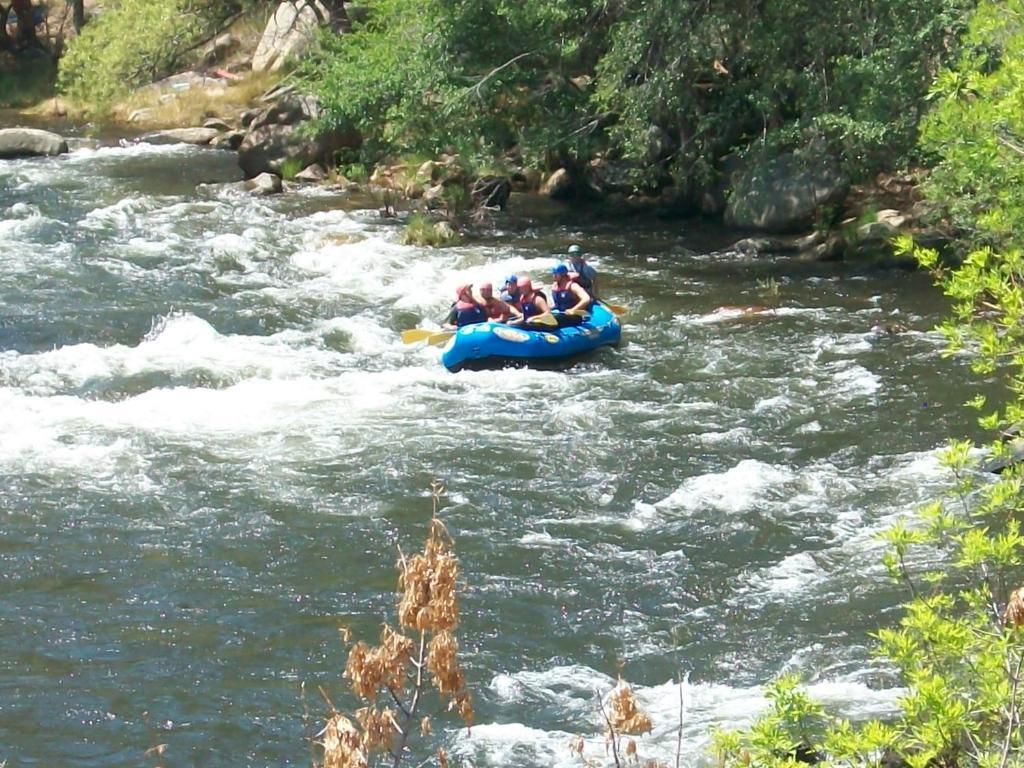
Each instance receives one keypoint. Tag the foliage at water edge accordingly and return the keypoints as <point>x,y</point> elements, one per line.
<point>959,647</point>
<point>671,86</point>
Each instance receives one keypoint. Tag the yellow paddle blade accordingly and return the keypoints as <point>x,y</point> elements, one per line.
<point>617,309</point>
<point>416,334</point>
<point>548,320</point>
<point>436,339</point>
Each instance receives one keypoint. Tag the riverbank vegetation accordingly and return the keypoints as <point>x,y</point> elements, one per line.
<point>135,43</point>
<point>671,87</point>
<point>959,647</point>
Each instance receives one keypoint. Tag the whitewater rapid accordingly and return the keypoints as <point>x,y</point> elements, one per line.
<point>213,439</point>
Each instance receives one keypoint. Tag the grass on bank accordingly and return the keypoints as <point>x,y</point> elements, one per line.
<point>184,109</point>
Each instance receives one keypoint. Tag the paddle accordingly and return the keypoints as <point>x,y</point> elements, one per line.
<point>437,338</point>
<point>616,309</point>
<point>547,319</point>
<point>416,334</point>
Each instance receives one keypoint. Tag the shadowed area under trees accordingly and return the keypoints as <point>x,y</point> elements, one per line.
<point>669,88</point>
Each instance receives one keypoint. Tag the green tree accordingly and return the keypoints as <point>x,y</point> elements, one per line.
<point>976,131</point>
<point>134,42</point>
<point>670,86</point>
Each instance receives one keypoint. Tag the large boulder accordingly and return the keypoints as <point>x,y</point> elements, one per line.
<point>279,135</point>
<point>181,136</point>
<point>29,142</point>
<point>785,194</point>
<point>289,33</point>
<point>559,185</point>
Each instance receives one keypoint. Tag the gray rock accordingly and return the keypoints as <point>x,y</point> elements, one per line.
<point>892,217</point>
<point>659,144</point>
<point>181,136</point>
<point>835,248</point>
<point>30,142</point>
<point>217,124</point>
<point>607,177</point>
<point>311,173</point>
<point>277,135</point>
<point>186,81</point>
<point>427,173</point>
<point>231,140</point>
<point>785,194</point>
<point>434,197</point>
<point>219,49</point>
<point>245,119</point>
<point>264,184</point>
<point>760,246</point>
<point>445,231</point>
<point>289,33</point>
<point>876,230</point>
<point>559,185</point>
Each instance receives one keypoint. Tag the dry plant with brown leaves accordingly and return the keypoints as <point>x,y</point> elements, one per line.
<point>1014,613</point>
<point>393,678</point>
<point>623,719</point>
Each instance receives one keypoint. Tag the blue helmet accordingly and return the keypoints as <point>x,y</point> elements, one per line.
<point>511,279</point>
<point>560,269</point>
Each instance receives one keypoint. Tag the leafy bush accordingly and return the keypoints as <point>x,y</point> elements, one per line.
<point>669,84</point>
<point>133,43</point>
<point>420,230</point>
<point>976,130</point>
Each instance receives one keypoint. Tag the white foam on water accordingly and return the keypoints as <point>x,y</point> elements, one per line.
<point>778,403</point>
<point>733,491</point>
<point>542,540</point>
<point>570,694</point>
<point>788,580</point>
<point>25,228</point>
<point>753,313</point>
<point>854,380</point>
<point>179,345</point>
<point>840,344</point>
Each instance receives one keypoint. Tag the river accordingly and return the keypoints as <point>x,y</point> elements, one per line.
<point>213,440</point>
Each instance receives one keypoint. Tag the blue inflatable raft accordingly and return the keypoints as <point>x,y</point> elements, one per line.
<point>489,344</point>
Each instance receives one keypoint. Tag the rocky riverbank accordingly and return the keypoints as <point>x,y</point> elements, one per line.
<point>781,205</point>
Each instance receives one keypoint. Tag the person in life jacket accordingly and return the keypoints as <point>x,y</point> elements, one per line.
<point>532,302</point>
<point>510,293</point>
<point>465,310</point>
<point>586,275</point>
<point>567,294</point>
<point>495,308</point>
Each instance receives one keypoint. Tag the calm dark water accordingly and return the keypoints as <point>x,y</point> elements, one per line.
<point>212,440</point>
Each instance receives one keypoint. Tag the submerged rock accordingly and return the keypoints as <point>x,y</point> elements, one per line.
<point>30,142</point>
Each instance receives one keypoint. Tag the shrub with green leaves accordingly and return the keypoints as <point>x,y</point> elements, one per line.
<point>670,86</point>
<point>133,43</point>
<point>976,130</point>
